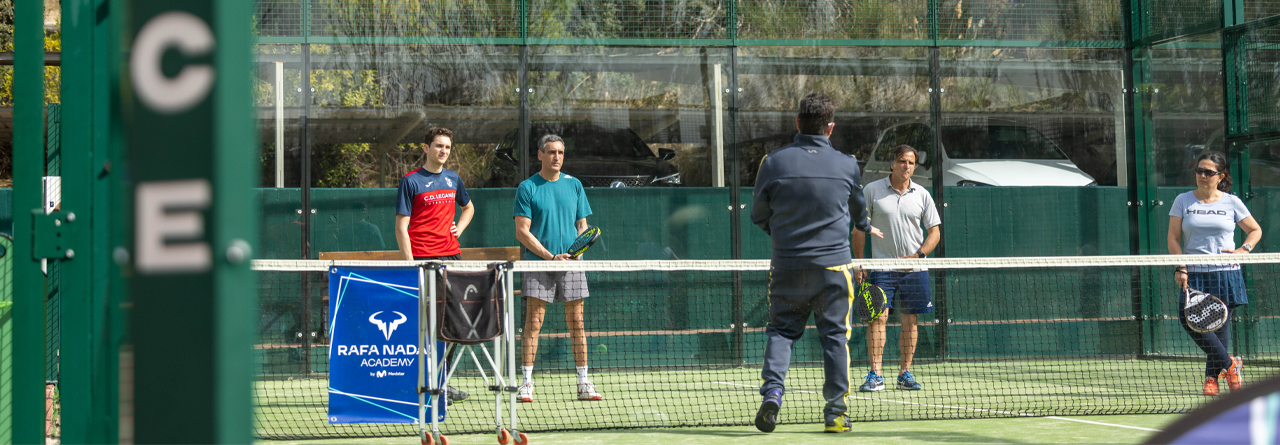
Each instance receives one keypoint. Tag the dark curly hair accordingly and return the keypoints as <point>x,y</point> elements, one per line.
<point>816,110</point>
<point>1220,162</point>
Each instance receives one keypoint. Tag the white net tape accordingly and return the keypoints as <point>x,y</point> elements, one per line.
<point>761,265</point>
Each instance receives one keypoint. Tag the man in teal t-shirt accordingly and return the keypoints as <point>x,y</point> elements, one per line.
<point>551,211</point>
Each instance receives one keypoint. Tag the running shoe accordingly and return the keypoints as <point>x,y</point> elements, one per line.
<point>1210,386</point>
<point>838,424</point>
<point>456,395</point>
<point>874,383</point>
<point>767,416</point>
<point>587,391</point>
<point>526,392</point>
<point>1234,374</point>
<point>908,382</point>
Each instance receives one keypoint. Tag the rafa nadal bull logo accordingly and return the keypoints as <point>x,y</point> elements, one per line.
<point>387,328</point>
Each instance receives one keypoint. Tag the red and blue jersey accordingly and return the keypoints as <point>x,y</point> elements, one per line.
<point>428,199</point>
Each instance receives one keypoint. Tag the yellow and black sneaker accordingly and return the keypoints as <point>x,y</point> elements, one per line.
<point>456,395</point>
<point>838,424</point>
<point>767,416</point>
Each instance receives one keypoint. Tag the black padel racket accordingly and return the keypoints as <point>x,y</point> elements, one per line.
<point>584,241</point>
<point>1204,312</point>
<point>868,302</point>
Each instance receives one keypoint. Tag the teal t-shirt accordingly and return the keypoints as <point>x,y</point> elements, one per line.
<point>552,209</point>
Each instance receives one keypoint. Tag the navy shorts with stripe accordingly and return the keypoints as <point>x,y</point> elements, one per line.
<point>905,291</point>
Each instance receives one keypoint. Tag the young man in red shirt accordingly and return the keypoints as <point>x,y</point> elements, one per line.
<point>425,229</point>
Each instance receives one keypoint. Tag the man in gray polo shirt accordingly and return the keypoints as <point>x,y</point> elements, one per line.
<point>904,211</point>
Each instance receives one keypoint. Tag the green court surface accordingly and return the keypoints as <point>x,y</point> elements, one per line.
<point>724,400</point>
<point>1087,429</point>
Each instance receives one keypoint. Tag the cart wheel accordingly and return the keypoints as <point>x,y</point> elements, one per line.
<point>522,439</point>
<point>444,440</point>
<point>428,440</point>
<point>503,437</point>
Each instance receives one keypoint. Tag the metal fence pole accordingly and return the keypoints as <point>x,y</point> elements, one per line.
<point>28,167</point>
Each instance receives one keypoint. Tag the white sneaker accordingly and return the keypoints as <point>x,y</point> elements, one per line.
<point>526,392</point>
<point>587,391</point>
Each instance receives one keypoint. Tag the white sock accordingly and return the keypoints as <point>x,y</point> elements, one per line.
<point>582,374</point>
<point>528,374</point>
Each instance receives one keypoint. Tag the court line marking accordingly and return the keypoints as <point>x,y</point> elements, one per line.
<point>968,409</point>
<point>1104,424</point>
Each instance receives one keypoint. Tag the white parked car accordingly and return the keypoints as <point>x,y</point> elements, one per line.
<point>999,153</point>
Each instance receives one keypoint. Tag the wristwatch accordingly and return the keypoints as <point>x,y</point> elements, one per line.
<point>1247,246</point>
<point>919,254</point>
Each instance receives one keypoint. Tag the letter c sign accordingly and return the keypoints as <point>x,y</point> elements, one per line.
<point>192,37</point>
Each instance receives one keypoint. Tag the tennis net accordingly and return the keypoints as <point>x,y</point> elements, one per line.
<point>680,343</point>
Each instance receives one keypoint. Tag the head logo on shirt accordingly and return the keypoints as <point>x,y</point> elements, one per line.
<point>447,181</point>
<point>1206,212</point>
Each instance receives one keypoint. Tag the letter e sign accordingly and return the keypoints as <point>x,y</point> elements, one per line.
<point>170,226</point>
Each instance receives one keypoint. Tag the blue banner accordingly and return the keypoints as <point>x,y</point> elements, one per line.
<point>373,345</point>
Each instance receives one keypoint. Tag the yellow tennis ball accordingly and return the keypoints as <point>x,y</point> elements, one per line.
<point>601,349</point>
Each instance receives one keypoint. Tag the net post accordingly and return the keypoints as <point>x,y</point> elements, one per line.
<point>739,334</point>
<point>509,316</point>
<point>422,344</point>
<point>433,368</point>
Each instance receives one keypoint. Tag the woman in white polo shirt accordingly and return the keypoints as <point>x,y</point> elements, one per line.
<point>1203,222</point>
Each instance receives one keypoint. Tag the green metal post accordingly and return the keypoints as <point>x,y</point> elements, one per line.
<point>1235,89</point>
<point>523,10</point>
<point>77,329</point>
<point>105,301</point>
<point>28,167</point>
<point>1142,191</point>
<point>191,220</point>
<point>933,22</point>
<point>306,21</point>
<point>235,220</point>
<point>732,22</point>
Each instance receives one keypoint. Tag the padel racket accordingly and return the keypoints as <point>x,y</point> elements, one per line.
<point>869,302</point>
<point>1204,312</point>
<point>584,241</point>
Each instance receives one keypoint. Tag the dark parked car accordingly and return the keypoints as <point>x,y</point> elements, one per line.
<point>597,156</point>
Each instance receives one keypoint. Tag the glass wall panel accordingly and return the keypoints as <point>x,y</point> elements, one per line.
<point>645,135</point>
<point>1048,121</point>
<point>875,90</point>
<point>278,107</point>
<point>373,105</point>
<point>371,108</point>
<point>1186,109</point>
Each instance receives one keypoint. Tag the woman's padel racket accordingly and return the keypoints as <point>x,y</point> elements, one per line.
<point>1204,312</point>
<point>584,241</point>
<point>869,302</point>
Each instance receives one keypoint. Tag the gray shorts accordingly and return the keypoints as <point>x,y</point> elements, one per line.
<point>556,286</point>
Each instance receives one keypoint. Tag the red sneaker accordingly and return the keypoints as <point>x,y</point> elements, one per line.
<point>1234,374</point>
<point>1210,386</point>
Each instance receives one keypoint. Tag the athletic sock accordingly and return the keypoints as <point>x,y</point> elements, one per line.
<point>582,374</point>
<point>528,374</point>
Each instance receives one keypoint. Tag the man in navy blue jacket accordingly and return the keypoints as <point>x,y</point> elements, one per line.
<point>805,195</point>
